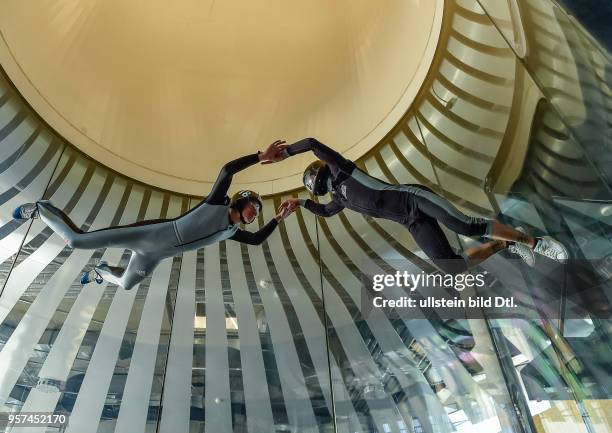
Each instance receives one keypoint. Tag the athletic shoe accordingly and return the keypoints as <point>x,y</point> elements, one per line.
<point>26,211</point>
<point>552,249</point>
<point>85,278</point>
<point>93,275</point>
<point>524,252</point>
<point>90,276</point>
<point>99,266</point>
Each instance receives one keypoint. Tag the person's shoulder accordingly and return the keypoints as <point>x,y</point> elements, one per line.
<point>224,202</point>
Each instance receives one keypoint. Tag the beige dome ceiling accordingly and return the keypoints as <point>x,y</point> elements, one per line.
<point>167,92</point>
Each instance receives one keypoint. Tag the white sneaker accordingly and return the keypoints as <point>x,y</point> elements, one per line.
<point>26,211</point>
<point>94,275</point>
<point>552,249</point>
<point>524,252</point>
<point>90,276</point>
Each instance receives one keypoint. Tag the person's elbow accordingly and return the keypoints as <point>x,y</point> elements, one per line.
<point>225,170</point>
<point>255,241</point>
<point>313,142</point>
<point>249,241</point>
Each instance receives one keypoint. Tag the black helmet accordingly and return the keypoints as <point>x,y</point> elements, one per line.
<point>315,178</point>
<point>240,200</point>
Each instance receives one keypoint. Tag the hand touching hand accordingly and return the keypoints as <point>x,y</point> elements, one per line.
<point>291,204</point>
<point>287,208</point>
<point>274,152</point>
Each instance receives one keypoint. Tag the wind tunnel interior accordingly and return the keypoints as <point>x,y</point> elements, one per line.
<point>512,121</point>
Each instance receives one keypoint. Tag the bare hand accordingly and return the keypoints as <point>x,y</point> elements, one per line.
<point>282,215</point>
<point>274,152</point>
<point>289,205</point>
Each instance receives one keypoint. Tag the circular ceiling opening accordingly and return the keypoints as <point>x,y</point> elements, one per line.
<point>167,92</point>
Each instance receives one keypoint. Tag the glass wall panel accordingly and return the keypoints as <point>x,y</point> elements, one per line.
<point>572,69</point>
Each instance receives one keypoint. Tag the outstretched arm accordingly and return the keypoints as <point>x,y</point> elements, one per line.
<point>255,238</point>
<point>334,159</point>
<point>262,234</point>
<point>323,152</point>
<point>324,210</point>
<point>224,180</point>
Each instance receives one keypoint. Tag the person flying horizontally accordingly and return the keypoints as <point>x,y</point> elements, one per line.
<point>215,219</point>
<point>416,207</point>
